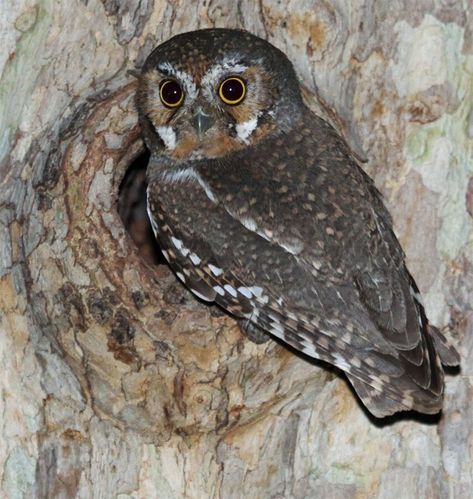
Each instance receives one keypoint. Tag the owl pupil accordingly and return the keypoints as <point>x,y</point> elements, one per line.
<point>232,90</point>
<point>171,93</point>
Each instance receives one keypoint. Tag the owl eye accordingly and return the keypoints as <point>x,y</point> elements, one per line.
<point>232,90</point>
<point>171,93</point>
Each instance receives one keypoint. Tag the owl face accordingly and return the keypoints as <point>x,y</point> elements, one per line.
<point>205,95</point>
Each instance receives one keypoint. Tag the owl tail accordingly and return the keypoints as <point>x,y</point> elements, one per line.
<point>381,403</point>
<point>376,401</point>
<point>447,353</point>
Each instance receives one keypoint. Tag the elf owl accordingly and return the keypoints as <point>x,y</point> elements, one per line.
<point>259,206</point>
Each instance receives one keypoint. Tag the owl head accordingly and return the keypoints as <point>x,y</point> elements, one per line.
<point>206,93</point>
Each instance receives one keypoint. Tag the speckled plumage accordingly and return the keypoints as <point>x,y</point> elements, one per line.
<point>268,215</point>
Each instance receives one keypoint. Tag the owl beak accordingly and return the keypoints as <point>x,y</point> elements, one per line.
<point>201,121</point>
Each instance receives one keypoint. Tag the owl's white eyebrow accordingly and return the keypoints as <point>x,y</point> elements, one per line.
<point>214,74</point>
<point>185,78</point>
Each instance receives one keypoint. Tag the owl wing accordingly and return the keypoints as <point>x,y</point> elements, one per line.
<point>390,293</point>
<point>329,322</point>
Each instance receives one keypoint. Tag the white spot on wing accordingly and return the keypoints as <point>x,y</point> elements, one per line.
<point>231,290</point>
<point>154,225</point>
<point>416,295</point>
<point>216,271</point>
<point>294,247</point>
<point>194,259</point>
<point>219,290</point>
<point>256,290</point>
<point>206,187</point>
<point>166,255</point>
<point>200,295</point>
<point>183,174</point>
<point>310,350</point>
<point>276,326</point>
<point>340,362</point>
<point>355,362</point>
<point>177,175</point>
<point>177,243</point>
<point>249,223</point>
<point>245,292</point>
<point>181,276</point>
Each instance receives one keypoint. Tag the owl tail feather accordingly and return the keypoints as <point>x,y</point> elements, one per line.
<point>447,353</point>
<point>381,405</point>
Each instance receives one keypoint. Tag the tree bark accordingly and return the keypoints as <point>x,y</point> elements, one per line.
<point>115,381</point>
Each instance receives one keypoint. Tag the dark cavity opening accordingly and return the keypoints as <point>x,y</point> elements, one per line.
<point>132,210</point>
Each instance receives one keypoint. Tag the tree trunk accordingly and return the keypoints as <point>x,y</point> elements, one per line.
<point>115,381</point>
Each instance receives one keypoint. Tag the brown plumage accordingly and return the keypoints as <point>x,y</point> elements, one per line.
<point>259,207</point>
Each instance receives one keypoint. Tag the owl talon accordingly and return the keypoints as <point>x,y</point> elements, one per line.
<point>253,332</point>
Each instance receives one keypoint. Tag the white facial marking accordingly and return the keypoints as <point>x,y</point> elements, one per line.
<point>245,129</point>
<point>168,136</point>
<point>216,271</point>
<point>231,290</point>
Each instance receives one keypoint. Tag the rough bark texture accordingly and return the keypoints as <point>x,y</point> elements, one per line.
<point>115,381</point>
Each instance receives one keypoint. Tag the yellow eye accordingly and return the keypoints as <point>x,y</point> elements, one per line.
<point>232,90</point>
<point>171,93</point>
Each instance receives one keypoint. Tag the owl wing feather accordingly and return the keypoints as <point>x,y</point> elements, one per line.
<point>268,215</point>
<point>409,306</point>
<point>387,375</point>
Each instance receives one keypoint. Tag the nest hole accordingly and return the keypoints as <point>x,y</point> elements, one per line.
<point>132,210</point>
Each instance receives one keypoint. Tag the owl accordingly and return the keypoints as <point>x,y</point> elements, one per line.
<point>259,207</point>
